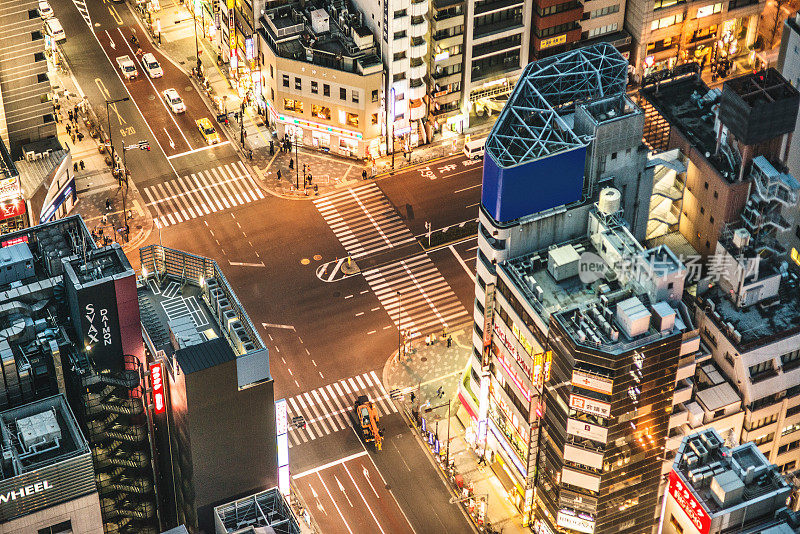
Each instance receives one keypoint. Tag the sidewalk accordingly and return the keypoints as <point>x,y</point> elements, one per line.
<point>422,373</point>
<point>95,183</point>
<point>329,172</point>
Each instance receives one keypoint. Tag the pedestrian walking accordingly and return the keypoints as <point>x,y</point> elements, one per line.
<point>279,175</point>
<point>449,341</point>
<point>69,128</point>
<point>364,174</point>
<point>80,136</point>
<point>75,166</point>
<point>108,204</point>
<point>75,111</point>
<point>250,154</point>
<point>82,165</point>
<point>291,163</point>
<point>69,114</point>
<point>271,148</point>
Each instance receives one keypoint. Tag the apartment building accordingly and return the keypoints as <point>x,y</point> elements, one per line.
<point>789,67</point>
<point>749,321</point>
<point>323,79</point>
<point>26,112</point>
<point>402,31</point>
<point>667,33</point>
<point>719,135</point>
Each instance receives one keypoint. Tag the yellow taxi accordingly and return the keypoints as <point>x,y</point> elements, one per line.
<point>207,129</point>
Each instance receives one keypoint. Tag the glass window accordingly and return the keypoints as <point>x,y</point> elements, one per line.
<point>709,10</point>
<point>342,93</point>
<point>375,95</point>
<point>326,89</point>
<point>321,112</point>
<point>352,120</point>
<point>355,97</point>
<point>374,118</point>
<point>298,84</point>
<point>399,35</point>
<point>314,87</point>
<point>289,104</point>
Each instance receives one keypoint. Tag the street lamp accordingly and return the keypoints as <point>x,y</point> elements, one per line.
<point>429,410</point>
<point>196,44</point>
<point>141,145</point>
<point>108,122</point>
<point>296,161</point>
<point>399,325</point>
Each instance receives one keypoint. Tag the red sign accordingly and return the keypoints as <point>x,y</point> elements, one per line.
<point>15,241</point>
<point>158,387</point>
<point>12,209</point>
<point>688,503</point>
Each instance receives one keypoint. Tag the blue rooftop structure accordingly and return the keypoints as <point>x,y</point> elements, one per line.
<point>534,160</point>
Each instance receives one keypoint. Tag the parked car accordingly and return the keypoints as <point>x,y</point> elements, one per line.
<point>128,67</point>
<point>45,11</point>
<point>54,30</point>
<point>151,66</point>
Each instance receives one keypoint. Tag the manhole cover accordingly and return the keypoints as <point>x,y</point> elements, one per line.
<point>317,257</point>
<point>388,487</point>
<point>423,359</point>
<point>152,97</point>
<point>189,88</point>
<point>337,293</point>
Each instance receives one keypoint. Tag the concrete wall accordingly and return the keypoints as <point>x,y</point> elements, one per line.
<point>83,513</point>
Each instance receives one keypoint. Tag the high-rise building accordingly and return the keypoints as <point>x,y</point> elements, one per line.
<point>26,112</point>
<point>789,67</point>
<point>667,33</point>
<point>715,489</point>
<point>552,294</point>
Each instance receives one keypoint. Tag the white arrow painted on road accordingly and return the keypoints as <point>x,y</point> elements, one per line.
<point>171,142</point>
<point>111,41</point>
<point>366,475</point>
<point>341,488</point>
<point>319,504</point>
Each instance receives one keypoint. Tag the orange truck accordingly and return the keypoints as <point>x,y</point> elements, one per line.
<point>367,421</point>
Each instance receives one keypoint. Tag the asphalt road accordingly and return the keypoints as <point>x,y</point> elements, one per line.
<point>318,333</point>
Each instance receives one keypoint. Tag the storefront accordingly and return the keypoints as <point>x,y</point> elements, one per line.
<point>320,136</point>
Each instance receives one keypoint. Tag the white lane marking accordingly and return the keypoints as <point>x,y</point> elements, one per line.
<point>334,503</point>
<point>363,499</point>
<point>461,261</point>
<point>329,465</point>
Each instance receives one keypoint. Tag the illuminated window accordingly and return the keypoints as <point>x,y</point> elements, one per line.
<point>321,112</point>
<point>290,104</point>
<point>374,118</point>
<point>666,21</point>
<point>709,10</point>
<point>352,120</point>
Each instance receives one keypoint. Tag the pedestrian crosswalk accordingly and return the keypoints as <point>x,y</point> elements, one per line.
<point>198,194</point>
<point>83,10</point>
<point>364,220</point>
<point>416,296</point>
<point>327,409</point>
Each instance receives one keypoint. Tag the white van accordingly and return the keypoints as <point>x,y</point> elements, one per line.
<point>474,149</point>
<point>55,31</point>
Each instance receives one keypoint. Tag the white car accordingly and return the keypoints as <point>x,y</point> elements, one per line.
<point>174,101</point>
<point>45,11</point>
<point>128,67</point>
<point>151,66</point>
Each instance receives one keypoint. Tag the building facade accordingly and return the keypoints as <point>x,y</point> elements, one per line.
<point>26,112</point>
<point>667,33</point>
<point>323,80</point>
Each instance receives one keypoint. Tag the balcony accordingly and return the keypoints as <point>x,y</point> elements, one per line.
<point>417,68</point>
<point>400,65</point>
<point>763,375</point>
<point>497,6</point>
<point>419,27</point>
<point>683,392</point>
<point>416,110</point>
<point>497,27</point>
<point>419,8</point>
<point>416,89</point>
<point>419,47</point>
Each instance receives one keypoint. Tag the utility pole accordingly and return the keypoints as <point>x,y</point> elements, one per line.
<point>141,145</point>
<point>296,162</point>
<point>108,122</point>
<point>196,44</point>
<point>241,123</point>
<point>393,146</point>
<point>399,326</point>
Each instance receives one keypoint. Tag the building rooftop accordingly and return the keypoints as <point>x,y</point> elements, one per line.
<point>322,33</point>
<point>263,512</point>
<point>724,479</point>
<point>191,314</point>
<point>531,126</point>
<point>39,434</point>
<point>687,103</point>
<point>610,305</point>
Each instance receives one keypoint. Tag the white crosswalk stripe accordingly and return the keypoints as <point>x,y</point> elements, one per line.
<point>327,409</point>
<point>416,296</point>
<point>83,10</point>
<point>364,220</point>
<point>199,194</point>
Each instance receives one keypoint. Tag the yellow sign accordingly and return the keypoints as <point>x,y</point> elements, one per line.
<point>553,41</point>
<point>230,4</point>
<point>795,256</point>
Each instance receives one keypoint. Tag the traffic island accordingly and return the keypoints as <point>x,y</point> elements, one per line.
<point>349,267</point>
